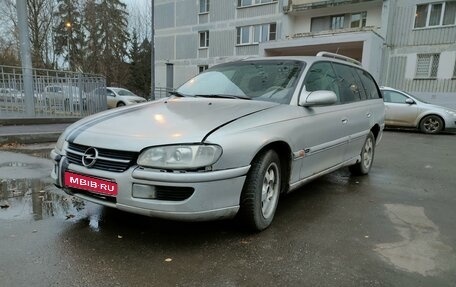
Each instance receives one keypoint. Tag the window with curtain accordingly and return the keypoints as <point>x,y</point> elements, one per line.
<point>337,22</point>
<point>204,6</point>
<point>204,39</point>
<point>435,14</point>
<point>245,3</point>
<point>256,33</point>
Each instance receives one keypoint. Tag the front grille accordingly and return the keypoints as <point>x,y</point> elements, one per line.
<point>173,193</point>
<point>108,159</point>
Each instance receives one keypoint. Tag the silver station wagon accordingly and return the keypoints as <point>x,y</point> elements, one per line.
<point>229,141</point>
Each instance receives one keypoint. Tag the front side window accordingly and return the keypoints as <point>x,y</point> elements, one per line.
<point>393,97</point>
<point>427,65</point>
<point>256,34</point>
<point>435,14</point>
<point>204,6</point>
<point>321,77</point>
<point>269,80</point>
<point>204,39</point>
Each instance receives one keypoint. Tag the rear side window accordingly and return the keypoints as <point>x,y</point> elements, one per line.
<point>369,85</point>
<point>350,87</point>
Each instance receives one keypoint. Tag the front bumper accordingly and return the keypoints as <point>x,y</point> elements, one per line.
<point>216,193</point>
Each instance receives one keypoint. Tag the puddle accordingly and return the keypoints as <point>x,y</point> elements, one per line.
<point>421,249</point>
<point>33,199</point>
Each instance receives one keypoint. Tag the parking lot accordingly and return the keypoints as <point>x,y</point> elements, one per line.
<point>395,227</point>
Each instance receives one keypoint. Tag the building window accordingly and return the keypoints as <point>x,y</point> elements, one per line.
<point>202,68</point>
<point>256,34</point>
<point>204,39</point>
<point>435,14</point>
<point>204,6</point>
<point>337,22</point>
<point>454,71</point>
<point>358,20</point>
<point>427,65</point>
<point>246,3</point>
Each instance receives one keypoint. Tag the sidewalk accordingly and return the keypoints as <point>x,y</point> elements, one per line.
<point>28,133</point>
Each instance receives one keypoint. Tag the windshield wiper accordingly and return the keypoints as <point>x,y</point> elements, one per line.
<point>223,96</point>
<point>177,94</point>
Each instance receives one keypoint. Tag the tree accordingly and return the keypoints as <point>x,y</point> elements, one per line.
<point>136,78</point>
<point>113,37</point>
<point>40,24</point>
<point>69,34</point>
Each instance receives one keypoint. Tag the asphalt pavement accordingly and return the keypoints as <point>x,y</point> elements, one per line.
<point>394,227</point>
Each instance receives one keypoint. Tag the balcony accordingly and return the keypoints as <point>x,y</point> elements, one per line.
<point>297,6</point>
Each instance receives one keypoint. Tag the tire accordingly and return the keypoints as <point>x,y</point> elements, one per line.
<point>431,124</point>
<point>261,191</point>
<point>120,104</point>
<point>367,157</point>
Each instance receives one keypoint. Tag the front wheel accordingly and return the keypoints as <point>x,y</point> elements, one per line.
<point>261,191</point>
<point>367,157</point>
<point>431,124</point>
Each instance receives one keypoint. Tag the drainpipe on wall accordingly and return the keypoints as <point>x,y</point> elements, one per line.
<point>169,76</point>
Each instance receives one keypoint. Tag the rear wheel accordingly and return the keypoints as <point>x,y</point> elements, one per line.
<point>367,157</point>
<point>431,124</point>
<point>261,191</point>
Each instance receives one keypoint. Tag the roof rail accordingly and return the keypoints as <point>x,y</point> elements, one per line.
<point>339,57</point>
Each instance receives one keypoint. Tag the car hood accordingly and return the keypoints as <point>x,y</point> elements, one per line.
<point>133,98</point>
<point>168,121</point>
<point>433,107</point>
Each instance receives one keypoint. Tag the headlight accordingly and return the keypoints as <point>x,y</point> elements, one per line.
<point>190,156</point>
<point>60,142</point>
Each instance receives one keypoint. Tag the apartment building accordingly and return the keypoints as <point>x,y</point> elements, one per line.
<point>421,49</point>
<point>406,44</point>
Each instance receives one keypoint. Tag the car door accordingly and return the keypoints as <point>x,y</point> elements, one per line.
<point>357,114</point>
<point>397,111</point>
<point>111,98</point>
<point>323,136</point>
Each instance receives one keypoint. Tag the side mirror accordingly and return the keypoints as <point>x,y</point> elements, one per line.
<point>111,94</point>
<point>317,98</point>
<point>409,101</point>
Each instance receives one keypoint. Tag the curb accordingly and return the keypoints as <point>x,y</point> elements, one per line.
<point>36,121</point>
<point>31,138</point>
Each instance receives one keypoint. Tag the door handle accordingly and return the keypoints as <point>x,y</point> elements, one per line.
<point>368,115</point>
<point>344,121</point>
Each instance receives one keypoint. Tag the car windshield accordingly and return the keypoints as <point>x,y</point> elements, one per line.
<point>123,92</point>
<point>266,80</point>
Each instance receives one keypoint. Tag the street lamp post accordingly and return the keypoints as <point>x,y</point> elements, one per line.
<point>68,27</point>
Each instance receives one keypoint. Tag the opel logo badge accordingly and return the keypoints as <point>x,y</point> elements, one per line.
<point>90,157</point>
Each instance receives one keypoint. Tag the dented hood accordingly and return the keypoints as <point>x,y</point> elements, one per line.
<point>168,121</point>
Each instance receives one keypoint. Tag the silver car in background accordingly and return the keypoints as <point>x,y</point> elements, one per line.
<point>119,97</point>
<point>405,110</point>
<point>229,141</point>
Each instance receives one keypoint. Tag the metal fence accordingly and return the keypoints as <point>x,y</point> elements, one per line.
<point>55,93</point>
